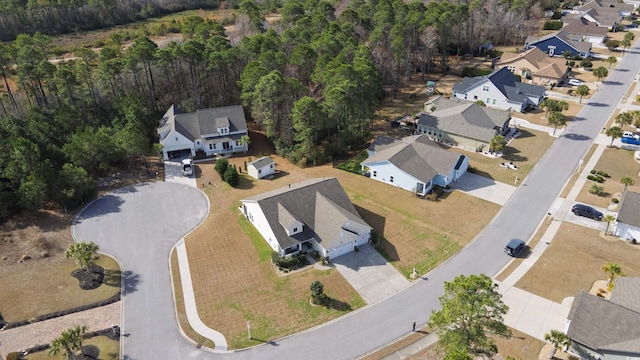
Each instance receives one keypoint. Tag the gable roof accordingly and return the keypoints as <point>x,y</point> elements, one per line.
<point>626,292</point>
<point>543,65</point>
<point>320,204</point>
<point>629,209</point>
<point>578,46</point>
<point>604,325</point>
<point>262,162</point>
<point>606,13</point>
<point>464,118</point>
<point>202,122</point>
<point>583,26</point>
<point>505,82</point>
<point>417,156</point>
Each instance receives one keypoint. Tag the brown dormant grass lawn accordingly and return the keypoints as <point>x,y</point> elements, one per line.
<point>43,288</point>
<point>572,180</point>
<point>525,151</point>
<point>234,280</point>
<point>618,163</point>
<point>539,116</point>
<point>520,346</point>
<point>98,348</point>
<point>574,260</point>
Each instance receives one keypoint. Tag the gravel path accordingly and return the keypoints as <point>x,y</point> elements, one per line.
<point>44,332</point>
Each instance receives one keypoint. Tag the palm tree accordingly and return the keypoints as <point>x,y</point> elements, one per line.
<point>496,143</point>
<point>635,114</point>
<point>613,270</point>
<point>84,253</point>
<point>582,90</point>
<point>558,339</point>
<point>608,219</point>
<point>556,119</point>
<point>600,73</point>
<point>624,118</point>
<point>614,132</point>
<point>545,104</point>
<point>68,341</point>
<point>626,181</point>
<point>611,60</point>
<point>625,43</point>
<point>244,139</point>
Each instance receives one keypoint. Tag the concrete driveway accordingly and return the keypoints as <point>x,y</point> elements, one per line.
<point>139,225</point>
<point>173,173</point>
<point>484,188</point>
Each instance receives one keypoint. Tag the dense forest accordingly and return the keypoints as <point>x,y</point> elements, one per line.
<point>311,81</point>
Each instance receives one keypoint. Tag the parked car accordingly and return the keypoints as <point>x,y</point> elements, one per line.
<point>586,211</point>
<point>636,155</point>
<point>630,140</point>
<point>627,134</point>
<point>187,167</point>
<point>575,82</point>
<point>514,247</point>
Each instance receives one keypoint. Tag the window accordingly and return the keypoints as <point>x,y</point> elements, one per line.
<point>210,146</point>
<point>465,96</point>
<point>485,88</point>
<point>390,178</point>
<point>295,230</point>
<point>259,171</point>
<point>375,173</point>
<point>176,138</point>
<point>238,142</point>
<point>488,101</point>
<point>475,97</point>
<point>493,102</point>
<point>512,69</point>
<point>271,166</point>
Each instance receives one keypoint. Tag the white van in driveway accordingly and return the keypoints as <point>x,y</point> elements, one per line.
<point>187,167</point>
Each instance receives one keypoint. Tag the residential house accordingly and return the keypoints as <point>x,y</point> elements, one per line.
<point>462,123</point>
<point>579,28</point>
<point>413,163</point>
<point>212,131</point>
<point>556,44</point>
<point>500,89</point>
<point>312,214</point>
<point>605,13</point>
<point>261,167</point>
<point>628,221</point>
<point>607,329</point>
<point>536,66</point>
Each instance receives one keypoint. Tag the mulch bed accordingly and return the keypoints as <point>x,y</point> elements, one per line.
<point>89,279</point>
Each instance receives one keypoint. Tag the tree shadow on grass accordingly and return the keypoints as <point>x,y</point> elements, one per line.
<point>89,279</point>
<point>336,304</point>
<point>89,352</point>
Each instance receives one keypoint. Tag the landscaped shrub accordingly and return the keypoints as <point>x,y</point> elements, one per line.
<point>221,166</point>
<point>473,71</point>
<point>552,25</point>
<point>571,63</point>
<point>13,356</point>
<point>596,178</point>
<point>603,174</point>
<point>289,262</point>
<point>596,190</point>
<point>615,200</point>
<point>593,171</point>
<point>586,63</point>
<point>231,176</point>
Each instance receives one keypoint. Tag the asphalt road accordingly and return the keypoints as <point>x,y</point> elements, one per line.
<point>142,243</point>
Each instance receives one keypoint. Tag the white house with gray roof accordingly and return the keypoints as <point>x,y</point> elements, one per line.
<point>607,329</point>
<point>413,163</point>
<point>500,89</point>
<point>212,131</point>
<point>261,167</point>
<point>628,221</point>
<point>314,213</point>
<point>463,123</point>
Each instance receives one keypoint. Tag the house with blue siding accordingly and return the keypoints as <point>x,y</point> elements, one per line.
<point>557,43</point>
<point>413,163</point>
<point>500,89</point>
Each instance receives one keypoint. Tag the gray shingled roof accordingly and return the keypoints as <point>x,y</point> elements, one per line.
<point>506,82</point>
<point>321,204</point>
<point>262,162</point>
<point>203,122</point>
<point>417,156</point>
<point>583,26</point>
<point>604,325</point>
<point>626,292</point>
<point>465,119</point>
<point>629,209</point>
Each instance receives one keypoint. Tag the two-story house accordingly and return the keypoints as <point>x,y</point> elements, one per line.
<point>212,131</point>
<point>500,89</point>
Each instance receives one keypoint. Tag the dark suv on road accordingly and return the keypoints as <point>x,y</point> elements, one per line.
<point>586,211</point>
<point>514,247</point>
